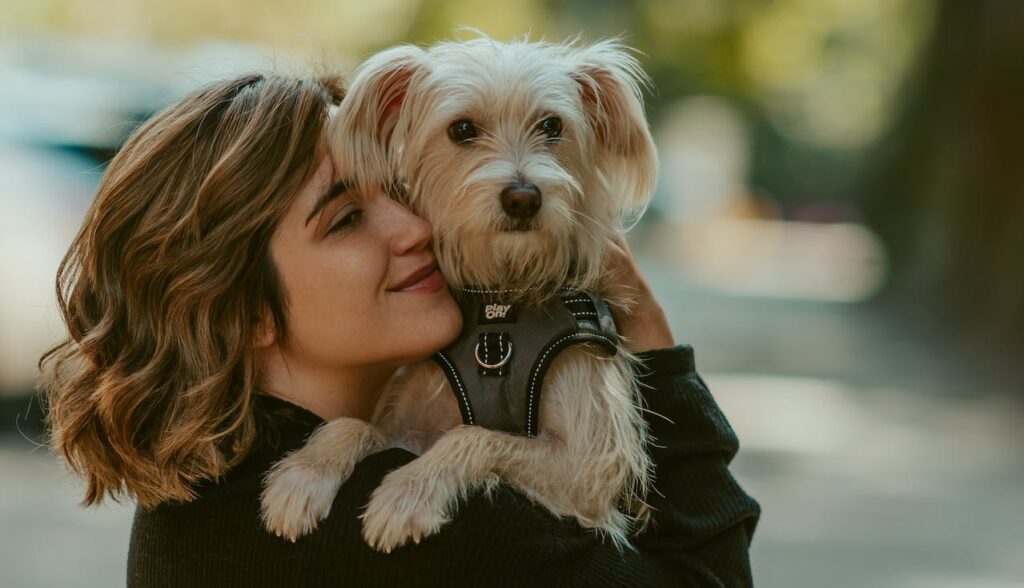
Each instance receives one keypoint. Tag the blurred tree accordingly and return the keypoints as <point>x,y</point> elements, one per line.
<point>947,188</point>
<point>813,78</point>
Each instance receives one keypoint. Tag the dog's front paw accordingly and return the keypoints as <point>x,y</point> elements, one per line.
<point>296,497</point>
<point>406,505</point>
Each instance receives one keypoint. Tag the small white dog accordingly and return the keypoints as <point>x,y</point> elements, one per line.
<point>526,158</point>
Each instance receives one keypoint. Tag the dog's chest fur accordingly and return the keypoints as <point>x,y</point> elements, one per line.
<point>588,397</point>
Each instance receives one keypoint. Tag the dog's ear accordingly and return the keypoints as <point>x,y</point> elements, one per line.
<point>609,81</point>
<point>363,130</point>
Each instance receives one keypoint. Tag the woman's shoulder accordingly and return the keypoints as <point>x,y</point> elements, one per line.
<point>218,539</point>
<point>496,538</point>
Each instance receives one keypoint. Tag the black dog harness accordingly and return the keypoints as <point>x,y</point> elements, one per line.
<point>497,365</point>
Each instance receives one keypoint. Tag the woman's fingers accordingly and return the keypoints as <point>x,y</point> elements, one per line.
<point>644,325</point>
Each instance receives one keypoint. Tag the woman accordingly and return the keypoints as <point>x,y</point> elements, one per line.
<point>229,291</point>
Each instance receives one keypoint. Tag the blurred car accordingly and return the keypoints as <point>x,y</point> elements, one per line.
<point>65,107</point>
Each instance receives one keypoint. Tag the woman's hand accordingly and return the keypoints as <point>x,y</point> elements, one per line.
<point>644,325</point>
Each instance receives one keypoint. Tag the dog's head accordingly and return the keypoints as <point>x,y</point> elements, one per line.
<point>525,157</point>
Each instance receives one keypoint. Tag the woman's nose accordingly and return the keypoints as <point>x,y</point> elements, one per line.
<point>409,232</point>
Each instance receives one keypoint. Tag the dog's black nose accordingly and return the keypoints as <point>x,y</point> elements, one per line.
<point>520,200</point>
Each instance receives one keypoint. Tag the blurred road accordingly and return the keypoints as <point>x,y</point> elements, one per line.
<point>883,458</point>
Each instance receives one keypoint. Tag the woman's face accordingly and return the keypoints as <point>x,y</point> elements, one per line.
<point>359,278</point>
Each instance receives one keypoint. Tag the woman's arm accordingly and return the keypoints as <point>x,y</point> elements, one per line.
<point>700,511</point>
<point>700,532</point>
<point>703,522</point>
<point>699,535</point>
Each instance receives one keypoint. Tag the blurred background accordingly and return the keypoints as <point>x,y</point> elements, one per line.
<point>838,230</point>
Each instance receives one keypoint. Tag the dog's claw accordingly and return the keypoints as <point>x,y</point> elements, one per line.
<point>295,499</point>
<point>403,508</point>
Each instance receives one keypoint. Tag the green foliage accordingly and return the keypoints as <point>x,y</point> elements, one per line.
<point>816,79</point>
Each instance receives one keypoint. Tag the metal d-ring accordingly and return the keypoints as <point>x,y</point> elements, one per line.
<point>494,366</point>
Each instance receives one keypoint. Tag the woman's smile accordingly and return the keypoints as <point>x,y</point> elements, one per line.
<point>426,280</point>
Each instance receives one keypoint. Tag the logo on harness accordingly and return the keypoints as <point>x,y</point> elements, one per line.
<point>493,311</point>
<point>496,313</point>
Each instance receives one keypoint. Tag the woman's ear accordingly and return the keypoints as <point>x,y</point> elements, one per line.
<point>362,132</point>
<point>265,334</point>
<point>609,81</point>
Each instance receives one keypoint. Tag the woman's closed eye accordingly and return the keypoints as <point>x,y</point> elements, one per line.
<point>347,220</point>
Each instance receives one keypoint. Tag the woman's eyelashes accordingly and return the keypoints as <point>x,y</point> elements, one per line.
<point>347,220</point>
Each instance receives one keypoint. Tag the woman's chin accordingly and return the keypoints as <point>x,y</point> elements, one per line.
<point>430,329</point>
<point>449,323</point>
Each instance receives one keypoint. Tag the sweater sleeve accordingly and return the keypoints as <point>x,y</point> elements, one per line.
<point>699,536</point>
<point>700,512</point>
<point>701,528</point>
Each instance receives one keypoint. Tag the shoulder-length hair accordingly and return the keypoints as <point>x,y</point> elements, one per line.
<point>167,282</point>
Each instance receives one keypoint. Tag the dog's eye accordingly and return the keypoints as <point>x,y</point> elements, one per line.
<point>462,131</point>
<point>551,127</point>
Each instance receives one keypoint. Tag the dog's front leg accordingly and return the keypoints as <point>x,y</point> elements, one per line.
<point>417,499</point>
<point>299,489</point>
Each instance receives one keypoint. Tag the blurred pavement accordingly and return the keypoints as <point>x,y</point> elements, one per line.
<point>882,457</point>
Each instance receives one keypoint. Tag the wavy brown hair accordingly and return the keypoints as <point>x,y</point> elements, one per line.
<point>167,282</point>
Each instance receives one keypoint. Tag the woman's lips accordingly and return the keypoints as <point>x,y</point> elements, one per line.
<point>432,282</point>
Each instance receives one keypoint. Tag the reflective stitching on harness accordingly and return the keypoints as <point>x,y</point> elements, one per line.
<point>458,381</point>
<point>477,291</point>
<point>552,325</point>
<point>530,428</point>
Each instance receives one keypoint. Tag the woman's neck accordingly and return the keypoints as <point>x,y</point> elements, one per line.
<point>352,391</point>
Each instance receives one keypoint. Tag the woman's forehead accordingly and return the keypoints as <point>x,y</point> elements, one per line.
<point>324,175</point>
<point>318,183</point>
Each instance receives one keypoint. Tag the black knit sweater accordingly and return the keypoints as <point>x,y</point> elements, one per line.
<point>702,525</point>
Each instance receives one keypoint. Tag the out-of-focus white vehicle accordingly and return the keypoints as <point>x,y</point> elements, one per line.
<point>44,193</point>
<point>65,106</point>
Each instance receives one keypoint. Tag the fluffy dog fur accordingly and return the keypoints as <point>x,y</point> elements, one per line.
<point>590,454</point>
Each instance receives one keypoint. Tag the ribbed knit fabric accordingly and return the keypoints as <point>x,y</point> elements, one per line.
<point>700,534</point>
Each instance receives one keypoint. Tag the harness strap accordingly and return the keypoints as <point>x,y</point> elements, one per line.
<point>497,365</point>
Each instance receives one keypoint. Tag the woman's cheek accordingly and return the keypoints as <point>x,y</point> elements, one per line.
<point>353,297</point>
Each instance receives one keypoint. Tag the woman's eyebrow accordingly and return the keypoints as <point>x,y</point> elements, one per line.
<point>337,189</point>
